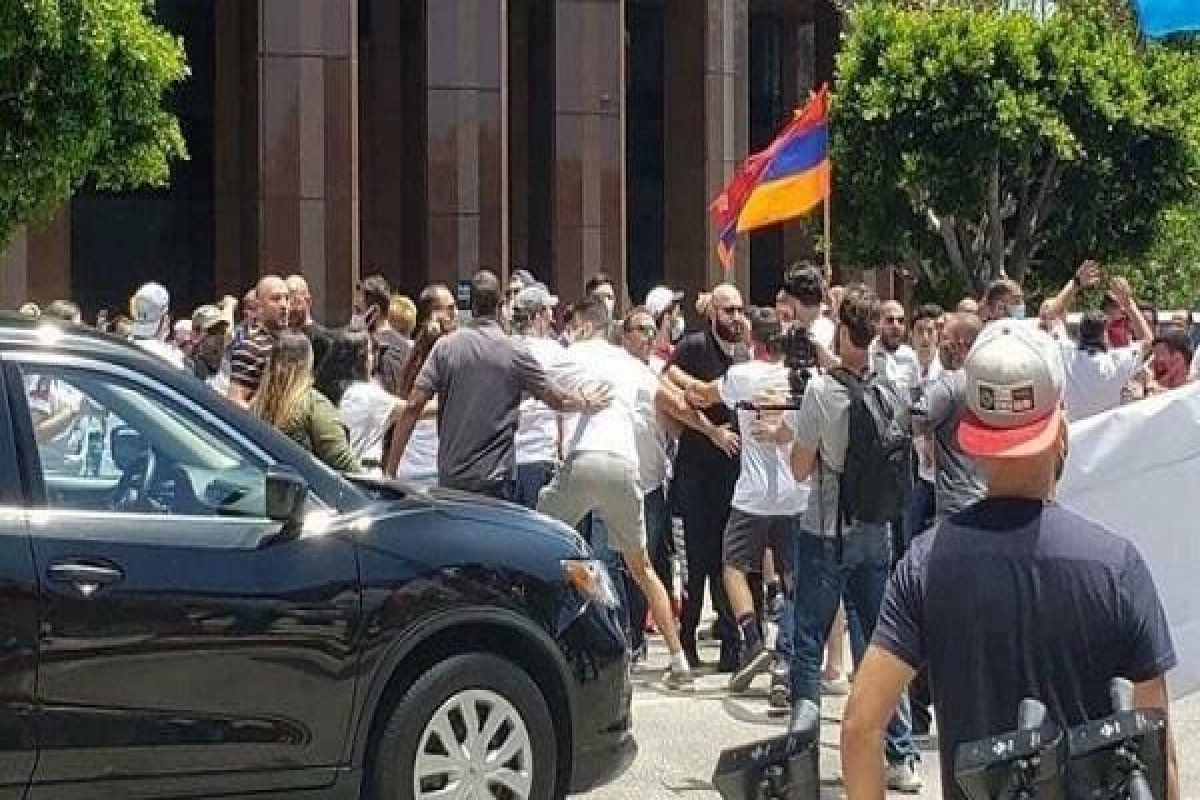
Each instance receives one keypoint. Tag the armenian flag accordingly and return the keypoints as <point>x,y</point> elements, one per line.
<point>789,178</point>
<point>1163,17</point>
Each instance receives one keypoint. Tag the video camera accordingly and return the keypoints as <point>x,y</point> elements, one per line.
<point>800,357</point>
<point>781,768</point>
<point>1120,757</point>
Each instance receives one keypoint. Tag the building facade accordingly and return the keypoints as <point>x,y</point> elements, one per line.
<point>424,139</point>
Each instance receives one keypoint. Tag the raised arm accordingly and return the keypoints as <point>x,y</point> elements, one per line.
<point>1087,276</point>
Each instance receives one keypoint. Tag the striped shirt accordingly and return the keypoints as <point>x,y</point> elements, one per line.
<point>249,357</point>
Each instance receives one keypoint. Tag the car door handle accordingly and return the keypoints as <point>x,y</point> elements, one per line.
<point>85,577</point>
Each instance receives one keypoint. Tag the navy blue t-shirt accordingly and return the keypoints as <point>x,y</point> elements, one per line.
<point>1016,598</point>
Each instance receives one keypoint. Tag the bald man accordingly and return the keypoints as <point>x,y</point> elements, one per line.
<point>249,355</point>
<point>706,463</point>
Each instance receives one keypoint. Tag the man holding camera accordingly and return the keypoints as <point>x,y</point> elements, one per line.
<point>1013,597</point>
<point>838,550</point>
<point>766,497</point>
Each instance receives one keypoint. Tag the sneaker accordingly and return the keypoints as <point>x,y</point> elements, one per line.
<point>679,680</point>
<point>751,663</point>
<point>780,696</point>
<point>903,777</point>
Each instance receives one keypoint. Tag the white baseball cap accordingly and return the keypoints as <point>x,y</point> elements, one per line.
<point>534,297</point>
<point>661,298</point>
<point>149,305</point>
<point>1015,382</point>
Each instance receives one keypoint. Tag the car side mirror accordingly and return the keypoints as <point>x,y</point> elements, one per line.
<point>286,493</point>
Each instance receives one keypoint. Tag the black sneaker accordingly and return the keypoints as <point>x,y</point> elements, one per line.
<point>752,662</point>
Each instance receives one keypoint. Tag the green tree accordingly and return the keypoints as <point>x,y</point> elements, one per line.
<point>1169,274</point>
<point>983,142</point>
<point>82,84</point>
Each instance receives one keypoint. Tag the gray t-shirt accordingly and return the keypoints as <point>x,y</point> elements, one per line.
<point>479,374</point>
<point>823,424</point>
<point>959,482</point>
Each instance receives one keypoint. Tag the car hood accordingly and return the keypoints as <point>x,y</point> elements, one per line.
<point>395,498</point>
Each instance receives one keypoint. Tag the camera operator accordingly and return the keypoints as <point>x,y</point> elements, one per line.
<point>766,497</point>
<point>1014,596</point>
<point>835,551</point>
<point>801,300</point>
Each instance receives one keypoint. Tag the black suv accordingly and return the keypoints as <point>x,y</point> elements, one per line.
<point>192,606</point>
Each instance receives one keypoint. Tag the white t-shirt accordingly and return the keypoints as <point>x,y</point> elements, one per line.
<point>1194,373</point>
<point>164,350</point>
<point>901,367</point>
<point>420,461</point>
<point>765,486</point>
<point>633,386</point>
<point>537,430</point>
<point>1094,380</point>
<point>366,408</point>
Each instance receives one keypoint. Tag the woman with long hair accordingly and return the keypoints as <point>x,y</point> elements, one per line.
<point>287,400</point>
<point>435,318</point>
<point>367,408</point>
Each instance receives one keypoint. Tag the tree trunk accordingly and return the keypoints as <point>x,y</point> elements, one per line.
<point>995,224</point>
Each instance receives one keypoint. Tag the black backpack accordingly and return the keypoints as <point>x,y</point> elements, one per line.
<point>877,477</point>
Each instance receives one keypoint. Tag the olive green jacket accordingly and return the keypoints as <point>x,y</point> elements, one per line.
<point>317,428</point>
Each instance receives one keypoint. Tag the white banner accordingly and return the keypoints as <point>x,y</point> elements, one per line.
<point>1136,471</point>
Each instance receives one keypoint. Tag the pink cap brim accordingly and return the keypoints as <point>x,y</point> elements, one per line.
<point>982,441</point>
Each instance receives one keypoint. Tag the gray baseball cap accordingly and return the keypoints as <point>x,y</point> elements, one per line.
<point>1015,383</point>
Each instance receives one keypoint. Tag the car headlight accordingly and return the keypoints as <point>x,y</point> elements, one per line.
<point>590,578</point>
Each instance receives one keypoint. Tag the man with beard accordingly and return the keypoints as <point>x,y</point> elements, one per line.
<point>890,356</point>
<point>707,464</point>
<point>300,319</point>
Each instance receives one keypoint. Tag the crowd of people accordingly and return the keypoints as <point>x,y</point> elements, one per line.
<point>747,428</point>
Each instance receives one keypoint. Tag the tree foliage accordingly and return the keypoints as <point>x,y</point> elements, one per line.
<point>985,142</point>
<point>82,84</point>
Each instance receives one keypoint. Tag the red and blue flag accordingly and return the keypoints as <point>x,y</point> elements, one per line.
<point>787,179</point>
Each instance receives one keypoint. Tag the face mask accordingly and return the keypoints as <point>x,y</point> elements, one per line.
<point>1017,311</point>
<point>678,327</point>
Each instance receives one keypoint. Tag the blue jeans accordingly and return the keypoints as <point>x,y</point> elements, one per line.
<point>822,579</point>
<point>918,515</point>
<point>530,480</point>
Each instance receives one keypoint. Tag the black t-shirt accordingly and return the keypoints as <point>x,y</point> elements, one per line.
<point>1015,598</point>
<point>699,355</point>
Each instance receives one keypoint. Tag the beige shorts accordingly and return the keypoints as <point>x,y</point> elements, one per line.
<point>603,483</point>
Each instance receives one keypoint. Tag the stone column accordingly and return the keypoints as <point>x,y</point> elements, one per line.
<point>707,124</point>
<point>589,143</point>
<point>466,166</point>
<point>308,147</point>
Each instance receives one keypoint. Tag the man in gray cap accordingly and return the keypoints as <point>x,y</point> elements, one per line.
<point>539,432</point>
<point>1015,596</point>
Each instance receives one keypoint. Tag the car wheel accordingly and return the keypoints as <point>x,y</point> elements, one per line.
<point>473,726</point>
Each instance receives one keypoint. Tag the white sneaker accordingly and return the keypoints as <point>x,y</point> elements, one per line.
<point>903,777</point>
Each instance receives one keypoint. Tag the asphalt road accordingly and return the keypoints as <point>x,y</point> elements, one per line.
<point>680,736</point>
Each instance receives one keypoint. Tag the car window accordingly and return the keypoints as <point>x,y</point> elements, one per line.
<point>107,443</point>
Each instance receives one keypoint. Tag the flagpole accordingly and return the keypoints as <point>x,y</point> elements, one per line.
<point>828,215</point>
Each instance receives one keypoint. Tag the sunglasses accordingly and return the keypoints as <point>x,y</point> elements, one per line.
<point>731,310</point>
